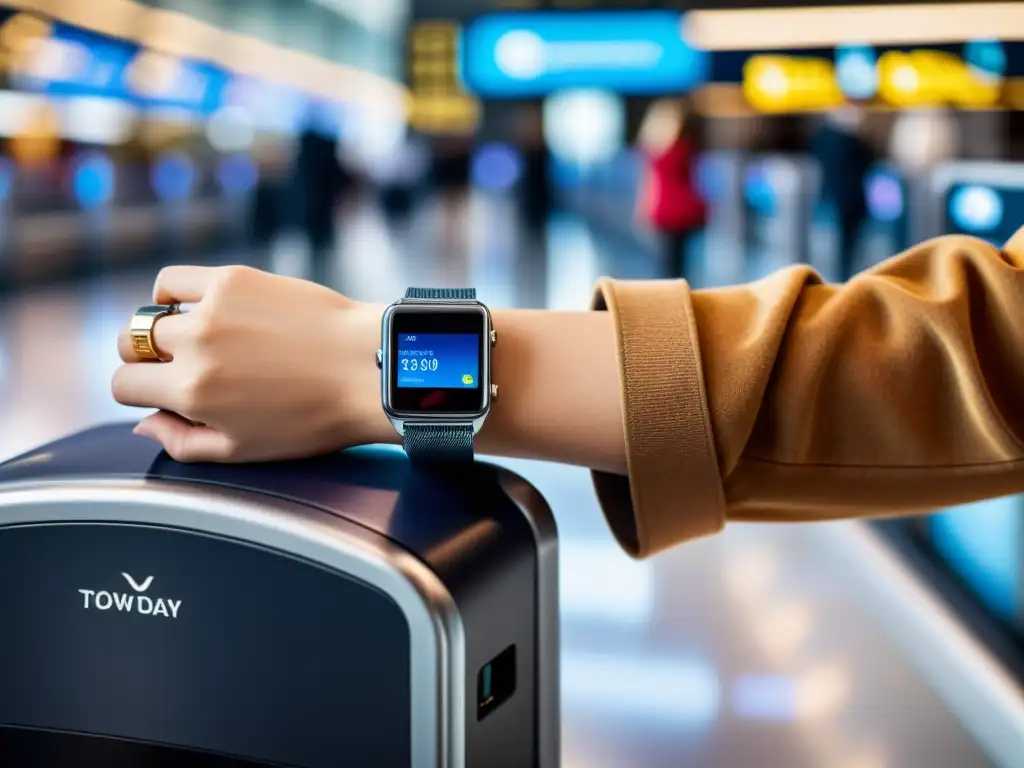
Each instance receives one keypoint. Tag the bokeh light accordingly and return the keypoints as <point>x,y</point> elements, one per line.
<point>237,174</point>
<point>173,177</point>
<point>496,167</point>
<point>93,179</point>
<point>976,208</point>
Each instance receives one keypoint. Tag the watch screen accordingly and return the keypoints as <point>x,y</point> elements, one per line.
<point>437,360</point>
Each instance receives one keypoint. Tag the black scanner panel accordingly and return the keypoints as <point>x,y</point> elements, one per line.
<point>228,642</point>
<point>186,639</point>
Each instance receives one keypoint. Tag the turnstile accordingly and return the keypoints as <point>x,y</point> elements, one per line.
<point>345,611</point>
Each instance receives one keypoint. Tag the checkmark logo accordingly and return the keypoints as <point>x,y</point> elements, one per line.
<point>135,585</point>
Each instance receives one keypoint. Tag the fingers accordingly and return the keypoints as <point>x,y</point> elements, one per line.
<point>183,284</point>
<point>168,337</point>
<point>147,386</point>
<point>185,441</point>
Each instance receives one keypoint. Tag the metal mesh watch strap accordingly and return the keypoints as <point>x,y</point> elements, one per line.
<point>439,442</point>
<point>442,294</point>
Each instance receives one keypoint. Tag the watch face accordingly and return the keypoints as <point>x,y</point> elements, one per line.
<point>437,361</point>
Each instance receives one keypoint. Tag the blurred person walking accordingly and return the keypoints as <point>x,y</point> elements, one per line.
<point>535,186</point>
<point>269,200</point>
<point>451,175</point>
<point>921,140</point>
<point>845,158</point>
<point>320,181</point>
<point>669,200</point>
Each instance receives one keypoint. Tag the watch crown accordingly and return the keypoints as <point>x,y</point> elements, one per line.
<point>494,338</point>
<point>494,391</point>
<point>380,358</point>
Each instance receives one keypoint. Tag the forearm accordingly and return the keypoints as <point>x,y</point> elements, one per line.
<point>559,390</point>
<point>559,397</point>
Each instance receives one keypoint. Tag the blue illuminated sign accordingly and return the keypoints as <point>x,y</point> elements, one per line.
<point>86,64</point>
<point>532,54</point>
<point>195,87</point>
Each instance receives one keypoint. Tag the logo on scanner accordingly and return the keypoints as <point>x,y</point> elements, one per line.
<point>134,601</point>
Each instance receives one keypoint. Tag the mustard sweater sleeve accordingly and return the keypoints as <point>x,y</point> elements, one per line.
<point>790,399</point>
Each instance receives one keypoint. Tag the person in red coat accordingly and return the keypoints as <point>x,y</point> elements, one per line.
<point>670,202</point>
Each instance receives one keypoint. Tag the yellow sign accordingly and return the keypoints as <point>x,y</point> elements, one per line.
<point>930,78</point>
<point>438,103</point>
<point>442,113</point>
<point>905,80</point>
<point>787,84</point>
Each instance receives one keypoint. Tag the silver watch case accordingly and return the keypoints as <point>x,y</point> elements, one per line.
<point>399,419</point>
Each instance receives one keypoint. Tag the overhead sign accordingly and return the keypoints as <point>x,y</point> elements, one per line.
<point>533,54</point>
<point>439,103</point>
<point>902,79</point>
<point>159,80</point>
<point>75,62</point>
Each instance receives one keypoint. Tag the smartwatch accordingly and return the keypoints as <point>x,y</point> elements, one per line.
<point>435,361</point>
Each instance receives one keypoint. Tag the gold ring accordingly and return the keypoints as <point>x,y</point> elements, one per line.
<point>142,326</point>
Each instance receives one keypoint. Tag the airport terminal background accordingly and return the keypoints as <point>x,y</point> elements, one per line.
<point>372,145</point>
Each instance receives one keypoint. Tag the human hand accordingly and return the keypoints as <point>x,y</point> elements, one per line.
<point>265,367</point>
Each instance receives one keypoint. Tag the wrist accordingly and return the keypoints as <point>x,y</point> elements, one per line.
<point>358,330</point>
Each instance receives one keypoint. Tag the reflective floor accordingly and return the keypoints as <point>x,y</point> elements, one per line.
<point>766,647</point>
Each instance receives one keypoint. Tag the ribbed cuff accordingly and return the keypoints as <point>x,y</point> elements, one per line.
<point>673,491</point>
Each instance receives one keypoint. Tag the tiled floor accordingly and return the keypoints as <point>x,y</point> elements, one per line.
<point>766,647</point>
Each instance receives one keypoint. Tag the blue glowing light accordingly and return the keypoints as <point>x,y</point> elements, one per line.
<point>884,194</point>
<point>856,71</point>
<point>496,167</point>
<point>237,174</point>
<point>711,173</point>
<point>173,177</point>
<point>981,543</point>
<point>986,56</point>
<point>976,209</point>
<point>93,179</point>
<point>6,178</point>
<point>519,54</point>
<point>759,191</point>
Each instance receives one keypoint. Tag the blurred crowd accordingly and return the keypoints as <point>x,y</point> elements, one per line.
<point>113,148</point>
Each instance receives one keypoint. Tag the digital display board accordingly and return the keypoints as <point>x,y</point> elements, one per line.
<point>965,76</point>
<point>75,62</point>
<point>534,54</point>
<point>158,80</point>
